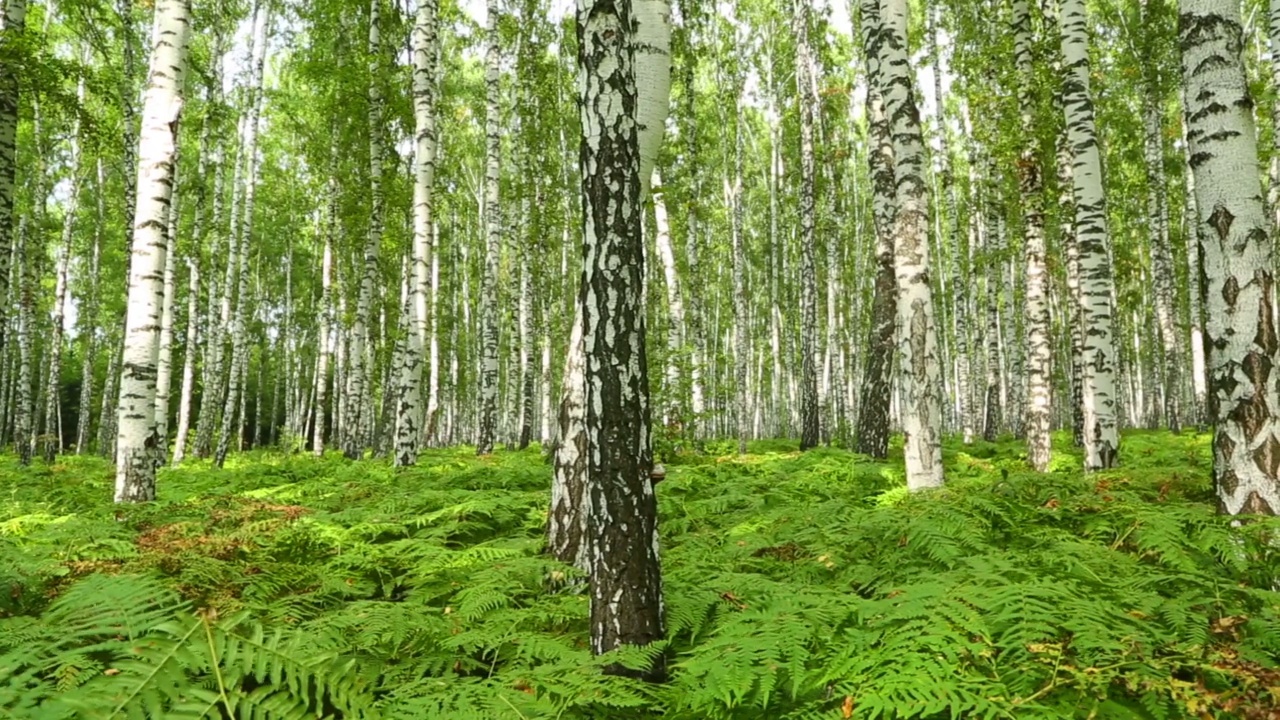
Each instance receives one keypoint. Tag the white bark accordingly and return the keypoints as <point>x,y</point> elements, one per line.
<point>489,312</point>
<point>808,106</point>
<point>918,356</point>
<point>424,161</point>
<point>164,366</point>
<point>137,441</point>
<point>1038,410</point>
<point>189,360</point>
<point>1101,438</point>
<point>652,43</point>
<point>1238,260</point>
<point>325,352</point>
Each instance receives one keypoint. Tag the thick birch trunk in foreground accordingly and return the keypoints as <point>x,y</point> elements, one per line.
<point>137,443</point>
<point>918,354</point>
<point>1038,412</point>
<point>626,581</point>
<point>489,314</point>
<point>877,380</point>
<point>1237,257</point>
<point>1101,438</point>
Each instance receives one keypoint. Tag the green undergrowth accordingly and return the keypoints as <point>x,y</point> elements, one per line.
<point>797,586</point>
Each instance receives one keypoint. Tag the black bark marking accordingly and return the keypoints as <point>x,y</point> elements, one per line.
<point>1257,368</point>
<point>1223,445</point>
<point>1230,292</point>
<point>1265,338</point>
<point>1228,483</point>
<point>1251,413</point>
<point>1221,220</point>
<point>1267,457</point>
<point>1255,505</point>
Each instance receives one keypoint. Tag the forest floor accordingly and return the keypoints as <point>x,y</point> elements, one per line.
<point>796,586</point>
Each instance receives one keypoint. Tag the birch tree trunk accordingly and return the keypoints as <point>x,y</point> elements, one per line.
<point>675,303</point>
<point>877,382</point>
<point>1101,438</point>
<point>1273,175</point>
<point>567,537</point>
<point>741,351</point>
<point>425,52</point>
<point>164,362</point>
<point>807,102</point>
<point>407,360</point>
<point>359,381</point>
<point>325,352</point>
<point>1038,411</point>
<point>1195,291</point>
<point>137,443</point>
<point>1237,256</point>
<point>88,320</point>
<point>489,312</point>
<point>24,257</point>
<point>189,359</point>
<point>626,582</point>
<point>13,22</point>
<point>918,357</point>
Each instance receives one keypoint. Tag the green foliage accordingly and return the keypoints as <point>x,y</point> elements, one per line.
<point>797,586</point>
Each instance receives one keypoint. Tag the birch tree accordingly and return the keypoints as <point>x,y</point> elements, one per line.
<point>359,381</point>
<point>12,25</point>
<point>1038,409</point>
<point>626,583</point>
<point>918,355</point>
<point>424,162</point>
<point>873,413</point>
<point>1237,259</point>
<point>138,441</point>
<point>1098,383</point>
<point>807,103</point>
<point>493,239</point>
